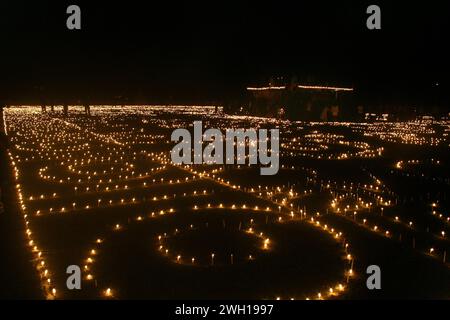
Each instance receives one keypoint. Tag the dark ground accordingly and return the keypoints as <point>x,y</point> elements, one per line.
<point>18,279</point>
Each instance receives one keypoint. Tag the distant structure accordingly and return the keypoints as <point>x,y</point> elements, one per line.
<point>65,109</point>
<point>302,102</point>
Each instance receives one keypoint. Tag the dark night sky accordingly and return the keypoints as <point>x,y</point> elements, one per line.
<point>206,51</point>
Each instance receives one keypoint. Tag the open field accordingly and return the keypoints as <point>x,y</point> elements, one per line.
<point>101,192</point>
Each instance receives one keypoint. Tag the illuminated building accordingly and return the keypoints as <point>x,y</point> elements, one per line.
<point>302,102</point>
